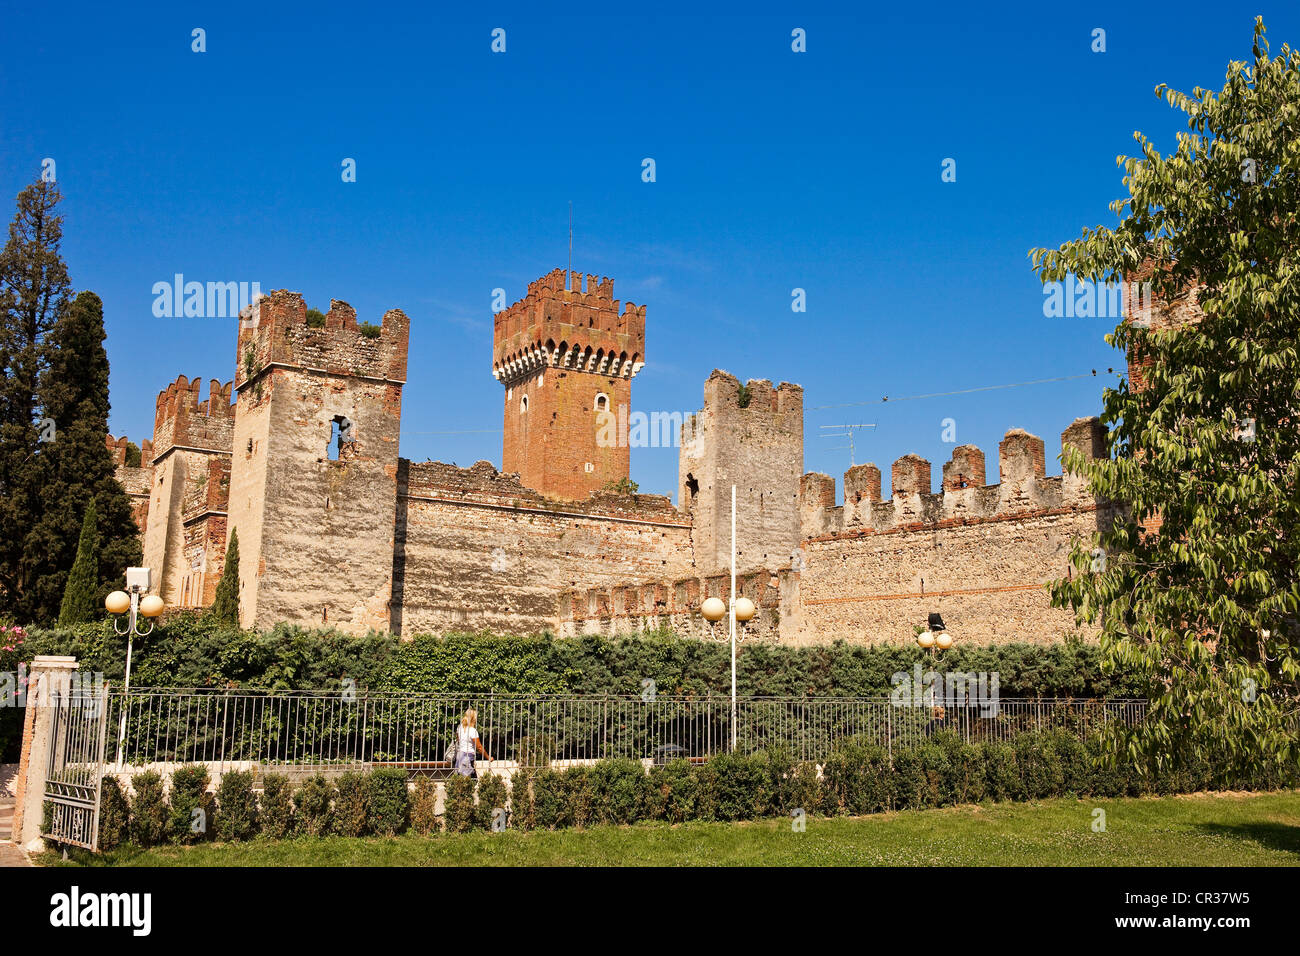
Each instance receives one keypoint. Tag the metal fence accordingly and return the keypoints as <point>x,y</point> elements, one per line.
<point>76,719</point>
<point>338,731</point>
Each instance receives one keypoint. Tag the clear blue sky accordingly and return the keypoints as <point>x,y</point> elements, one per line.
<point>775,170</point>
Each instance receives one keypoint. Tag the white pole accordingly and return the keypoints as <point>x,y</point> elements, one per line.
<point>126,690</point>
<point>732,615</point>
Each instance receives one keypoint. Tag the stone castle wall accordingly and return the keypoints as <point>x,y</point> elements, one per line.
<point>336,529</point>
<point>476,549</point>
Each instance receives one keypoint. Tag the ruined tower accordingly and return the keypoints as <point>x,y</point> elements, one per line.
<point>750,436</point>
<point>313,484</point>
<point>566,358</point>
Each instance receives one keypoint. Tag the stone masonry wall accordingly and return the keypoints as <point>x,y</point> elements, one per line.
<point>318,518</point>
<point>476,549</point>
<point>978,554</point>
<point>759,448</point>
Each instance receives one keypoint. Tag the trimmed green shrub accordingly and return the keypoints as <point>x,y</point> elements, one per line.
<point>114,815</point>
<point>549,804</point>
<point>277,807</point>
<point>150,820</point>
<point>191,804</point>
<point>857,778</point>
<point>350,805</point>
<point>577,796</point>
<point>459,812</point>
<point>938,774</point>
<point>521,800</point>
<point>314,800</point>
<point>1103,780</point>
<point>236,806</point>
<point>734,787</point>
<point>1076,774</point>
<point>491,799</point>
<point>618,791</point>
<point>1040,766</point>
<point>911,788</point>
<point>671,792</point>
<point>1001,772</point>
<point>965,782</point>
<point>387,801</point>
<point>424,806</point>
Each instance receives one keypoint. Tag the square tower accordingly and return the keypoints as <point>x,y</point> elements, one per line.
<point>750,436</point>
<point>313,478</point>
<point>566,358</point>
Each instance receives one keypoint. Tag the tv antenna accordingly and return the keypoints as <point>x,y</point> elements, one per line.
<point>846,431</point>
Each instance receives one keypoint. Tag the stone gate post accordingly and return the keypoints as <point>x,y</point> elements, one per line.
<point>48,673</point>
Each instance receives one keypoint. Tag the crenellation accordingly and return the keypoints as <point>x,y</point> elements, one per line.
<point>963,497</point>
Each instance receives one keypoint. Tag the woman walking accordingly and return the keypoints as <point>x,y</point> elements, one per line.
<point>467,740</point>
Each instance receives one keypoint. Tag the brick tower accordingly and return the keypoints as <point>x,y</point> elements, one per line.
<point>313,478</point>
<point>566,359</point>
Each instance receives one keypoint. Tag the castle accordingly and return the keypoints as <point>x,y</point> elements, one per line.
<point>299,454</point>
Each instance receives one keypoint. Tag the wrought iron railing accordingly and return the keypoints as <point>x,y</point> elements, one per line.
<point>338,731</point>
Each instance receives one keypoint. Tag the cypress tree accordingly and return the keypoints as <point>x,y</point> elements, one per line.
<point>77,467</point>
<point>79,597</point>
<point>225,605</point>
<point>33,292</point>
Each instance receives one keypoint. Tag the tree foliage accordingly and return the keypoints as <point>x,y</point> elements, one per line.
<point>1199,586</point>
<point>76,467</point>
<point>79,597</point>
<point>53,421</point>
<point>225,604</point>
<point>33,290</point>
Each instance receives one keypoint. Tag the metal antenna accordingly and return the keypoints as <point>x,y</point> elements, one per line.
<point>568,272</point>
<point>847,431</point>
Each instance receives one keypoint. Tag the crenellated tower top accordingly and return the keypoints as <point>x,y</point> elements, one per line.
<point>559,325</point>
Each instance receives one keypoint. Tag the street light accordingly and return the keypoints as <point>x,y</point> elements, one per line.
<point>743,611</point>
<point>935,636</point>
<point>135,602</point>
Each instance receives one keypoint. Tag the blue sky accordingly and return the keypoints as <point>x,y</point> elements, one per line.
<point>774,170</point>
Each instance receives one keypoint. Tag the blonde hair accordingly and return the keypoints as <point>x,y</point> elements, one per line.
<point>470,719</point>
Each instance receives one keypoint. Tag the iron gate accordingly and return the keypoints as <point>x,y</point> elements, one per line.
<point>74,765</point>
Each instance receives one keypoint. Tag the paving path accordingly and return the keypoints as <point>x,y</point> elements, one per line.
<point>11,855</point>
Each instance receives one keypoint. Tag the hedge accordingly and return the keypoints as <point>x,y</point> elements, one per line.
<point>192,651</point>
<point>858,778</point>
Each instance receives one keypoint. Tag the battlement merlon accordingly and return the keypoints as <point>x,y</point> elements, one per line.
<point>273,332</point>
<point>1024,487</point>
<point>117,451</point>
<point>182,420</point>
<point>558,327</point>
<point>722,390</point>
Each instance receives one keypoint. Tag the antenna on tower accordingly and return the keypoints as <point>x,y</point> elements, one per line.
<point>569,271</point>
<point>846,432</point>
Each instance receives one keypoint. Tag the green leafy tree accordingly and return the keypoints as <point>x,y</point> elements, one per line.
<point>1196,582</point>
<point>225,604</point>
<point>77,467</point>
<point>79,596</point>
<point>33,291</point>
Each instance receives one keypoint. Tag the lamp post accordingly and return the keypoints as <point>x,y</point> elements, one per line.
<point>134,601</point>
<point>742,611</point>
<point>935,635</point>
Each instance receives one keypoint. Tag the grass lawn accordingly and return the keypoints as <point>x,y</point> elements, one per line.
<point>1197,830</point>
